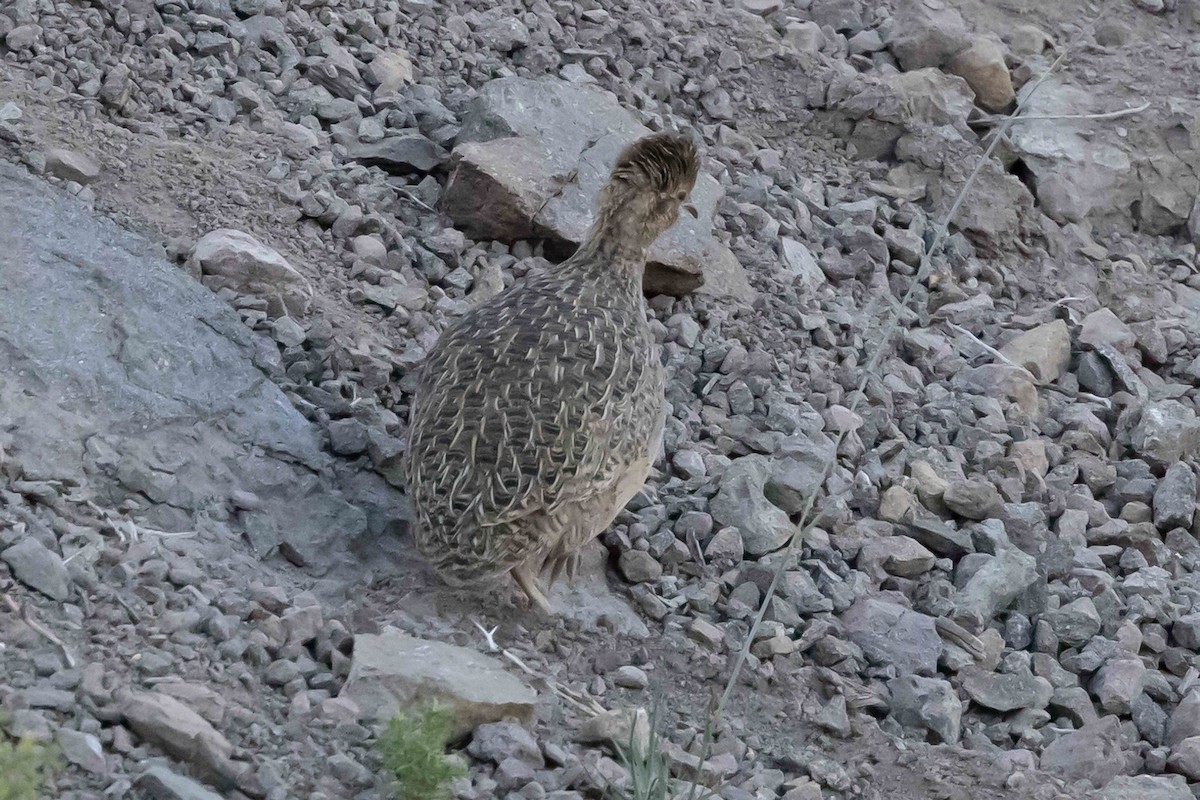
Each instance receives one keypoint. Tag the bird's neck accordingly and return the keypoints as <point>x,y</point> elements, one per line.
<point>617,242</point>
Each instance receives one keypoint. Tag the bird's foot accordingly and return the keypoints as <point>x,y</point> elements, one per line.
<point>568,563</point>
<point>528,584</point>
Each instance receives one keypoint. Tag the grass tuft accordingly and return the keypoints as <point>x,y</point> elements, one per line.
<point>646,762</point>
<point>414,751</point>
<point>23,765</point>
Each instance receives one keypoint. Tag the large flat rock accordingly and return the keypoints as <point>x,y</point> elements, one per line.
<point>392,671</point>
<point>531,159</point>
<point>1140,174</point>
<point>121,372</point>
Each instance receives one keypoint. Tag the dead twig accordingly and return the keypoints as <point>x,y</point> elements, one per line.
<point>1091,398</point>
<point>130,532</point>
<point>412,198</point>
<point>26,615</point>
<point>1106,115</point>
<point>580,703</point>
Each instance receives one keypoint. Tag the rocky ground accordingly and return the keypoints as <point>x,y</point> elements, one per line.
<point>232,228</point>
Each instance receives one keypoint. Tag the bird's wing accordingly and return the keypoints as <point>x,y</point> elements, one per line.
<point>518,408</point>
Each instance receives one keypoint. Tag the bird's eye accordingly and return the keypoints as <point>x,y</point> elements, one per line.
<point>681,196</point>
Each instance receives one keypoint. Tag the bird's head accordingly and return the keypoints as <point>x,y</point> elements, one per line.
<point>650,183</point>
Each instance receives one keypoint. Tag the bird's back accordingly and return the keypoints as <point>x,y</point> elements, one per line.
<point>537,399</point>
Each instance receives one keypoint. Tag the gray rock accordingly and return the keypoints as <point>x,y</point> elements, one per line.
<point>742,503</point>
<point>72,166</point>
<point>892,634</point>
<point>804,36</point>
<point>1175,498</point>
<point>982,65</point>
<point>1103,327</point>
<point>1078,173</point>
<point>763,8</point>
<point>590,602</point>
<point>502,32</point>
<point>337,72</point>
<point>794,479</point>
<point>1186,631</point>
<point>113,346</point>
<point>23,37</point>
<point>1147,787</point>
<point>896,555</point>
<point>160,783</point>
<point>496,741</point>
<point>347,437</point>
<point>1092,753</point>
<point>799,261</point>
<point>38,568</point>
<point>83,750</point>
<point>996,584</point>
<point>1184,722</point>
<point>974,499</point>
<point>25,723</point>
<point>1118,684</point>
<point>1167,432</point>
<point>288,332</point>
<point>1045,350</point>
<point>392,670</point>
<point>1069,186</point>
<point>1026,526</point>
<point>518,140</point>
<point>1073,703</point>
<point>1150,719</point>
<point>402,153</point>
<point>1185,758</point>
<point>389,71</point>
<point>237,261</point>
<point>927,704</point>
<point>1006,691</point>
<point>181,732</point>
<point>926,35</point>
<point>629,677</point>
<point>1076,622</point>
<point>638,566</point>
<point>1094,375</point>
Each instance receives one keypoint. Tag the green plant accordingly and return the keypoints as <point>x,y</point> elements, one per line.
<point>22,768</point>
<point>643,758</point>
<point>414,751</point>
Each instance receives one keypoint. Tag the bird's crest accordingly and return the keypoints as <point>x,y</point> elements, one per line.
<point>664,161</point>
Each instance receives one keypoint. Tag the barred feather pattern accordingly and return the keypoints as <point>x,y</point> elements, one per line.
<point>536,418</point>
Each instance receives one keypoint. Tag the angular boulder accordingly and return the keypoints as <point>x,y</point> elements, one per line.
<point>928,704</point>
<point>181,732</point>
<point>1045,350</point>
<point>1168,431</point>
<point>1092,753</point>
<point>742,503</point>
<point>926,34</point>
<point>235,260</point>
<point>892,634</point>
<point>531,159</point>
<point>391,671</point>
<point>124,374</point>
<point>982,66</point>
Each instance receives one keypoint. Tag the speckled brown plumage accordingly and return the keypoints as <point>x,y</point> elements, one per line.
<point>538,414</point>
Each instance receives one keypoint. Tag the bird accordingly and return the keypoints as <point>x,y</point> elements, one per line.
<point>538,413</point>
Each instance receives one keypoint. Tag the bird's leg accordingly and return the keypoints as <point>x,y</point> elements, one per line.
<point>528,584</point>
<point>556,563</point>
<point>561,563</point>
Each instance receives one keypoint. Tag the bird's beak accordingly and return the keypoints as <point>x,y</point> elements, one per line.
<point>691,209</point>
